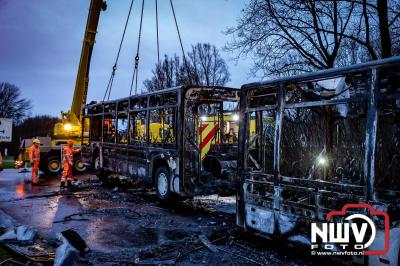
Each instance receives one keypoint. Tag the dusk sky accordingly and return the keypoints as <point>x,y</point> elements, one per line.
<point>41,42</point>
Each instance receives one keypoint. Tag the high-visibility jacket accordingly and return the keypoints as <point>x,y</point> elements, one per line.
<point>34,153</point>
<point>69,155</point>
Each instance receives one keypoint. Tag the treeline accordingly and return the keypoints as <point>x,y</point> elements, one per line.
<point>14,106</point>
<point>203,65</point>
<point>286,37</point>
<point>31,127</point>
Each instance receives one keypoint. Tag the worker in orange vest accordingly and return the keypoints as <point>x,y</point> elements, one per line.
<point>34,157</point>
<point>68,163</point>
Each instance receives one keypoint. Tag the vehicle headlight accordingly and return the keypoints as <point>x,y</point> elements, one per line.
<point>67,127</point>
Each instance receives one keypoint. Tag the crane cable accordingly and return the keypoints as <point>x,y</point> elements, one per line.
<point>158,42</point>
<point>180,39</point>
<point>136,64</point>
<point>136,67</point>
<point>114,68</point>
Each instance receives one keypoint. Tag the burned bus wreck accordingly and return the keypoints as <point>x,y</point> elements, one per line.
<point>181,140</point>
<point>310,144</point>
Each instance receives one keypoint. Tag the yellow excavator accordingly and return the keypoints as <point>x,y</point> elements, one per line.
<point>70,126</point>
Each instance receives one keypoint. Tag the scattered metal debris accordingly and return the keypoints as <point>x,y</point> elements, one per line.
<point>72,246</point>
<point>129,226</point>
<point>20,233</point>
<point>207,243</point>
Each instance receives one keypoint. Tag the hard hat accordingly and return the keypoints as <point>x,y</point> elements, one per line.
<point>70,141</point>
<point>36,141</point>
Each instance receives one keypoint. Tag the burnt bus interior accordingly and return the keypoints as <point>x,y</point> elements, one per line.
<point>313,143</point>
<point>210,139</point>
<point>192,131</point>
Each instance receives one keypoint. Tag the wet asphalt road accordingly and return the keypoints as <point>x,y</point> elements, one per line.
<point>126,226</point>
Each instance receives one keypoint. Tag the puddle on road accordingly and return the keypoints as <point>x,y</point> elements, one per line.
<point>124,235</point>
<point>20,190</point>
<point>15,184</point>
<point>145,236</point>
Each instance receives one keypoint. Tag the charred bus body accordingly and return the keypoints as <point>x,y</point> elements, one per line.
<point>320,141</point>
<point>182,140</point>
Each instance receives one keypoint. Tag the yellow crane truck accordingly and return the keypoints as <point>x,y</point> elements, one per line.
<point>70,126</point>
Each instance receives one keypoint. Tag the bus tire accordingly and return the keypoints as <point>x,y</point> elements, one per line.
<point>162,184</point>
<point>100,172</point>
<point>53,165</point>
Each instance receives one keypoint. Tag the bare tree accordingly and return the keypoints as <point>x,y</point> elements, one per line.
<point>204,66</point>
<point>386,44</point>
<point>374,28</point>
<point>207,65</point>
<point>11,103</point>
<point>292,36</point>
<point>381,27</point>
<point>166,74</point>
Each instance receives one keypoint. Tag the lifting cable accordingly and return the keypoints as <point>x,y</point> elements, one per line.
<point>111,80</point>
<point>180,39</point>
<point>158,42</point>
<point>136,67</point>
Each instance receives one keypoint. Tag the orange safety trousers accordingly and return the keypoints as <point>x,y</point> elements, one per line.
<point>67,172</point>
<point>67,164</point>
<point>35,170</point>
<point>34,156</point>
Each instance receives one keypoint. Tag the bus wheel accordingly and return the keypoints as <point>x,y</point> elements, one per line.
<point>162,184</point>
<point>100,172</point>
<point>53,165</point>
<point>79,166</point>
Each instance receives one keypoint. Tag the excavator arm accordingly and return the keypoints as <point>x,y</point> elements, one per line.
<point>70,127</point>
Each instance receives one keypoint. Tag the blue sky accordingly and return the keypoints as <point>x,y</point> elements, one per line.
<point>41,41</point>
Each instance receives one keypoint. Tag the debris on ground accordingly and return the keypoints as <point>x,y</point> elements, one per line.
<point>72,246</point>
<point>11,261</point>
<point>9,234</point>
<point>208,244</point>
<point>24,233</point>
<point>126,225</point>
<point>75,240</point>
<point>37,252</point>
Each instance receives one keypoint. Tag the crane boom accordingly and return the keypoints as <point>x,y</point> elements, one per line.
<point>70,126</point>
<point>82,78</point>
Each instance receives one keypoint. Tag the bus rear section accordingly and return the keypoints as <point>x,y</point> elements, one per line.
<point>181,140</point>
<point>311,146</point>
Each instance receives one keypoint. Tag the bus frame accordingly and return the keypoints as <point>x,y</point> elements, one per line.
<point>139,158</point>
<point>272,204</point>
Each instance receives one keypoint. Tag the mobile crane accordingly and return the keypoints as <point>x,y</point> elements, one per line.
<point>70,126</point>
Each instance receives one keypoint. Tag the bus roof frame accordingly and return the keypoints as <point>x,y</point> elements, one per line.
<point>323,74</point>
<point>166,90</point>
